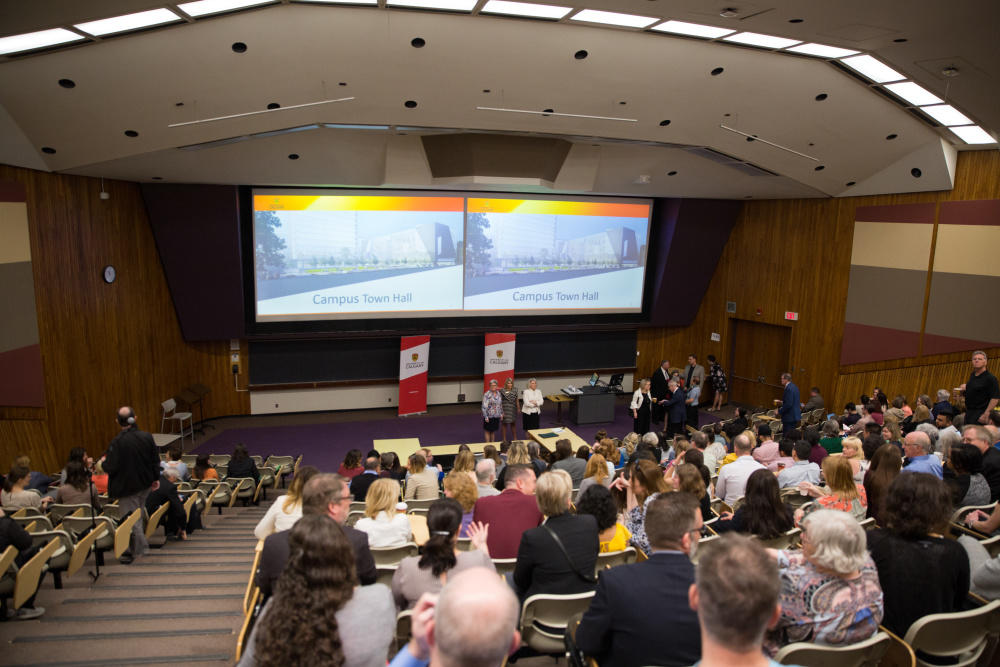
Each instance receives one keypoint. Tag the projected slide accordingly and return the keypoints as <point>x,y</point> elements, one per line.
<point>536,255</point>
<point>332,256</point>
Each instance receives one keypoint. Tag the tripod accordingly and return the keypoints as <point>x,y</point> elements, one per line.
<point>98,557</point>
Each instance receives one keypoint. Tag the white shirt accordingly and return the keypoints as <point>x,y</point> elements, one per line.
<point>385,532</point>
<point>531,401</point>
<point>277,519</point>
<point>637,399</point>
<point>732,482</point>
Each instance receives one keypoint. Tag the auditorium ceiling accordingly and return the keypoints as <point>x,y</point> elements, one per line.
<point>332,94</point>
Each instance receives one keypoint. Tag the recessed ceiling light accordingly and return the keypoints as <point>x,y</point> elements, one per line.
<point>822,50</point>
<point>128,22</point>
<point>764,41</point>
<point>203,7</point>
<point>448,5</point>
<point>872,69</point>
<point>692,29</point>
<point>525,9</point>
<point>614,18</point>
<point>37,40</point>
<point>947,115</point>
<point>914,94</point>
<point>973,134</point>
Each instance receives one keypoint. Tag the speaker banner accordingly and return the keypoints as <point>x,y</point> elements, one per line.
<point>499,362</point>
<point>414,354</point>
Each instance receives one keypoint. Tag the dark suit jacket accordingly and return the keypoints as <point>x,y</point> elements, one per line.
<point>790,410</point>
<point>542,567</point>
<point>508,515</point>
<point>658,384</point>
<point>675,407</point>
<point>274,557</point>
<point>620,630</point>
<point>174,519</point>
<point>361,484</point>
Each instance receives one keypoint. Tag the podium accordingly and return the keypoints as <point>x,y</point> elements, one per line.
<point>595,405</point>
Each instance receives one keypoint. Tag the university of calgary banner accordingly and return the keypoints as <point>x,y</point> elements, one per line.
<point>499,362</point>
<point>414,353</point>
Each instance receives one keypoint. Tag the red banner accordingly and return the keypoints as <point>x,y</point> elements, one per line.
<point>414,353</point>
<point>499,362</point>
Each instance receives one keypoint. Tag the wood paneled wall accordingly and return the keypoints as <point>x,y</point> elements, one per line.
<point>795,255</point>
<point>103,345</point>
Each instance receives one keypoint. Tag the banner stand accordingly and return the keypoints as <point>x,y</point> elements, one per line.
<point>499,359</point>
<point>414,354</point>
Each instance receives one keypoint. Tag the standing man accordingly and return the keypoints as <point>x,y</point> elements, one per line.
<point>981,391</point>
<point>676,409</point>
<point>694,370</point>
<point>658,389</point>
<point>133,467</point>
<point>789,407</point>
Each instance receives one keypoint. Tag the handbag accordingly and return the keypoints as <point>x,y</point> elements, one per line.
<point>590,579</point>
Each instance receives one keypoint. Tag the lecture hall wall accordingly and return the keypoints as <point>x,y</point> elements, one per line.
<point>795,255</point>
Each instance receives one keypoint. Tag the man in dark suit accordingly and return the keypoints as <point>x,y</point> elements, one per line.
<point>175,521</point>
<point>511,512</point>
<point>658,389</point>
<point>323,494</point>
<point>676,409</point>
<point>618,628</point>
<point>361,483</point>
<point>790,409</point>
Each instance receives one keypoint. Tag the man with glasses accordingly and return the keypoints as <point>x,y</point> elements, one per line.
<point>323,494</point>
<point>618,629</point>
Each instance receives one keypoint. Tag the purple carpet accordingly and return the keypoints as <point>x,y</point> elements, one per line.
<point>324,445</point>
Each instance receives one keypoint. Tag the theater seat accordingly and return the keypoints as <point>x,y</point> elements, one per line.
<point>863,654</point>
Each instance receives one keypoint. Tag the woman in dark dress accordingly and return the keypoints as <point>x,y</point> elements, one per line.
<point>719,384</point>
<point>641,408</point>
<point>509,404</point>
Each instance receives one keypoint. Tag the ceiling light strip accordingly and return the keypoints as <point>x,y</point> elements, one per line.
<point>554,113</point>
<point>254,113</point>
<point>769,143</point>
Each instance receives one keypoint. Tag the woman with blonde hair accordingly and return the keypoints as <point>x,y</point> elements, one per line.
<point>688,479</point>
<point>855,455</point>
<point>385,525</point>
<point>841,492</point>
<point>630,442</point>
<point>285,511</point>
<point>596,473</point>
<point>465,462</point>
<point>516,455</point>
<point>462,489</point>
<point>641,482</point>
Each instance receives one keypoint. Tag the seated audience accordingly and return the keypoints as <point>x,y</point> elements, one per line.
<point>732,480</point>
<point>920,570</point>
<point>736,597</point>
<point>204,470</point>
<point>241,466</point>
<point>841,491</point>
<point>801,470</point>
<point>439,559</point>
<point>564,460</point>
<point>892,433</point>
<point>465,462</point>
<point>980,438</point>
<point>851,416</point>
<point>361,483</point>
<point>518,454</point>
<point>784,460</point>
<point>688,479</point>
<point>917,447</point>
<point>853,452</point>
<point>176,523</point>
<point>767,452</point>
<point>612,534</point>
<point>16,495</point>
<point>78,454</point>
<point>486,478</point>
<point>422,482</point>
<point>641,482</point>
<point>537,461</point>
<point>13,534</point>
<point>984,570</point>
<point>617,629</point>
<point>596,473</point>
<point>474,623</point>
<point>896,411</point>
<point>351,466</point>
<point>885,467</point>
<point>964,479</point>
<point>510,513</point>
<point>816,451</point>
<point>559,556</point>
<point>762,512</point>
<point>287,509</point>
<point>830,591</point>
<point>77,489</point>
<point>384,524</point>
<point>943,402</point>
<point>318,614</point>
<point>174,454</point>
<point>390,467</point>
<point>830,438</point>
<point>324,495</point>
<point>457,485</point>
<point>38,481</point>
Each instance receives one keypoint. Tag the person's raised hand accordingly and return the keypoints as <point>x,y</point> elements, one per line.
<point>420,622</point>
<point>478,534</point>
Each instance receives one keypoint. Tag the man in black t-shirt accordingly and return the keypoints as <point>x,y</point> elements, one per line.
<point>981,391</point>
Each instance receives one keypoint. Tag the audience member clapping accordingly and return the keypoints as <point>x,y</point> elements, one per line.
<point>286,510</point>
<point>384,522</point>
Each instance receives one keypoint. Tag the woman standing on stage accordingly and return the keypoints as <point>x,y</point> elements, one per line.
<point>719,383</point>
<point>509,402</point>
<point>531,406</point>
<point>492,412</point>
<point>641,404</point>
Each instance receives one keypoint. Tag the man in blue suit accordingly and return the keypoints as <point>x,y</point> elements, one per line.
<point>676,409</point>
<point>618,628</point>
<point>790,410</point>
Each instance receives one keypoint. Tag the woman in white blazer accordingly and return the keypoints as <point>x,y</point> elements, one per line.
<point>641,407</point>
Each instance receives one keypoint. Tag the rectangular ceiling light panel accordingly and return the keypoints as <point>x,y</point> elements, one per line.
<point>205,7</point>
<point>973,134</point>
<point>763,41</point>
<point>614,18</point>
<point>128,22</point>
<point>342,2</point>
<point>37,40</point>
<point>822,50</point>
<point>447,5</point>
<point>528,9</point>
<point>692,29</point>
<point>914,94</point>
<point>947,115</point>
<point>872,69</point>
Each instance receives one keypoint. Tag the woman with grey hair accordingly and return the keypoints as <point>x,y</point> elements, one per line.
<point>932,432</point>
<point>830,592</point>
